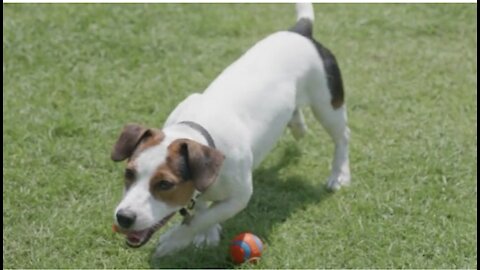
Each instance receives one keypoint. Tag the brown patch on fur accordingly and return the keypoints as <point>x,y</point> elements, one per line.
<point>179,194</point>
<point>196,162</point>
<point>130,179</point>
<point>154,139</point>
<point>131,139</point>
<point>188,166</point>
<point>337,101</point>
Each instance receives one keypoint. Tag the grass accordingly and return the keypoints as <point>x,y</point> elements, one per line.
<point>74,74</point>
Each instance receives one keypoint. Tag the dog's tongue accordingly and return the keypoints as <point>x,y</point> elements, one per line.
<point>136,237</point>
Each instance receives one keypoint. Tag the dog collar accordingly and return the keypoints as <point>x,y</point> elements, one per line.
<point>202,131</point>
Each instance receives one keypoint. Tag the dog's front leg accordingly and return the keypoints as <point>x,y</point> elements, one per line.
<point>183,234</point>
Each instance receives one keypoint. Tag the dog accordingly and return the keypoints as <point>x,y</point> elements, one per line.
<point>200,163</point>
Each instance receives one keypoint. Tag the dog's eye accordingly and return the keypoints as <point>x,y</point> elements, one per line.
<point>129,174</point>
<point>164,185</point>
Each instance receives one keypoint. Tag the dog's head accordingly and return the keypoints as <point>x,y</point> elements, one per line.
<point>161,176</point>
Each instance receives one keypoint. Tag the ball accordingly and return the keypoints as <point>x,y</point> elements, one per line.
<point>246,247</point>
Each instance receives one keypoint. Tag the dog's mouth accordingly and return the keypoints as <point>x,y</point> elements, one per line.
<point>137,239</point>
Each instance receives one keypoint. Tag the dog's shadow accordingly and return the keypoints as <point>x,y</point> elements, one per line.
<point>276,197</point>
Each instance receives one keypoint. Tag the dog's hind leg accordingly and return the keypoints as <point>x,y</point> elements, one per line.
<point>297,124</point>
<point>326,99</point>
<point>335,123</point>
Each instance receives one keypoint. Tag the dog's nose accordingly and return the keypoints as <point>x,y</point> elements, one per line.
<point>125,218</point>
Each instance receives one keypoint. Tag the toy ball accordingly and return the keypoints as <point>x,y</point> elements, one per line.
<point>246,247</point>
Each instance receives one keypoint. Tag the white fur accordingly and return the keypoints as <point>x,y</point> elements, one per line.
<point>245,109</point>
<point>305,10</point>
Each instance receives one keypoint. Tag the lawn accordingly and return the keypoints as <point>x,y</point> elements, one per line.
<point>74,74</point>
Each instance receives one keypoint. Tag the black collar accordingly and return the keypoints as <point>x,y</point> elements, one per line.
<point>202,131</point>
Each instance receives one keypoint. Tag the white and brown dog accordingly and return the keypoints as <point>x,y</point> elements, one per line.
<point>210,144</point>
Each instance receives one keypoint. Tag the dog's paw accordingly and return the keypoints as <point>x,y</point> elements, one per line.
<point>210,237</point>
<point>177,238</point>
<point>336,181</point>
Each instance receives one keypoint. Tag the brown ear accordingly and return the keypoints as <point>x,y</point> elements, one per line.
<point>128,141</point>
<point>200,163</point>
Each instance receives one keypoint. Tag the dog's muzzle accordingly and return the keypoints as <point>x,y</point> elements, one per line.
<point>137,239</point>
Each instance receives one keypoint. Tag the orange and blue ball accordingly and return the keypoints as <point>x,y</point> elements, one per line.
<point>246,247</point>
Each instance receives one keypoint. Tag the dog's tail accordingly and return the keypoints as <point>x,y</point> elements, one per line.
<point>305,18</point>
<point>305,11</point>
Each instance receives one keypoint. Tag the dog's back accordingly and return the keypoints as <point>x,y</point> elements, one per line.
<point>262,89</point>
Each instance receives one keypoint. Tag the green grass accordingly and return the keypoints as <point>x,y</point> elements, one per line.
<point>74,74</point>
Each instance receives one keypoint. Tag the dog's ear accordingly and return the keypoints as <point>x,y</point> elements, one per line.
<point>199,163</point>
<point>128,141</point>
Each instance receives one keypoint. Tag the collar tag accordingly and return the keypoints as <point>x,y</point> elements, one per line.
<point>187,211</point>
<point>191,204</point>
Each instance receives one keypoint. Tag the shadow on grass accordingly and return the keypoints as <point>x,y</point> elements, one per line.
<point>274,200</point>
